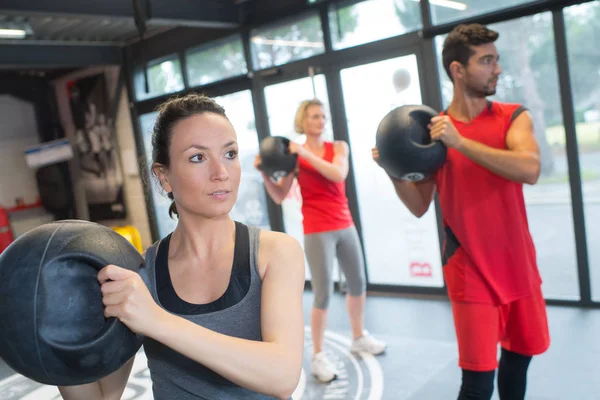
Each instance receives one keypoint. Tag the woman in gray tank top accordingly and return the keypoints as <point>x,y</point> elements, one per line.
<point>238,329</point>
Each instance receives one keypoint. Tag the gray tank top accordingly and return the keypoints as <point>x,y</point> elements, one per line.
<point>175,376</point>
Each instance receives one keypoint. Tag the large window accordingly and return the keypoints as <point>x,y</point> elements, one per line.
<point>216,61</point>
<point>443,11</point>
<point>283,43</point>
<point>372,20</point>
<point>583,36</point>
<point>164,76</point>
<point>529,77</point>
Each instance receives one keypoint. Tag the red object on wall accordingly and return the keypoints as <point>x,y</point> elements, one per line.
<point>420,269</point>
<point>20,207</point>
<point>6,235</point>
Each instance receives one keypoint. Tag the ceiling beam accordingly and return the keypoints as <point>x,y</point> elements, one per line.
<point>57,56</point>
<point>194,13</point>
<point>191,13</point>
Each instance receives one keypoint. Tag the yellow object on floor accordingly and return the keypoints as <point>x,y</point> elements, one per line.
<point>130,233</point>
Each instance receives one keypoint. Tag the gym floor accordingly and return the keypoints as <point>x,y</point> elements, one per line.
<point>421,361</point>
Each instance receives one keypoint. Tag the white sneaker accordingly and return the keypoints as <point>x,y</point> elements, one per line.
<point>322,368</point>
<point>368,344</point>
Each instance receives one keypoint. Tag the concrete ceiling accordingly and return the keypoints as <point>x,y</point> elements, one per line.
<point>76,33</point>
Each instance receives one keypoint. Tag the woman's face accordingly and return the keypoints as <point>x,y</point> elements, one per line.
<point>314,121</point>
<point>205,171</point>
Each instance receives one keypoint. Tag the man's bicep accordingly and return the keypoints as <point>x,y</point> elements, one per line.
<point>521,136</point>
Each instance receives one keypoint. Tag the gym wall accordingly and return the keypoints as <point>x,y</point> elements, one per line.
<point>19,132</point>
<point>133,188</point>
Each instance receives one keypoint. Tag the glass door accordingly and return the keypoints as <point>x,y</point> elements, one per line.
<point>400,249</point>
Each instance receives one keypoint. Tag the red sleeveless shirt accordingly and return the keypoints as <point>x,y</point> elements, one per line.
<point>489,254</point>
<point>324,202</point>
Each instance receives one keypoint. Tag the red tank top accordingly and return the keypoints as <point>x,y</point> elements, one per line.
<point>489,254</point>
<point>324,203</point>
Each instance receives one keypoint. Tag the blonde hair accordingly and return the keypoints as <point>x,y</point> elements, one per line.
<point>301,113</point>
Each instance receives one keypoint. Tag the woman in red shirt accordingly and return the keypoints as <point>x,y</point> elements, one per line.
<point>329,230</point>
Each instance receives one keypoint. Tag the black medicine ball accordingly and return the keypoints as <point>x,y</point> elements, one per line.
<point>276,159</point>
<point>404,143</point>
<point>53,326</point>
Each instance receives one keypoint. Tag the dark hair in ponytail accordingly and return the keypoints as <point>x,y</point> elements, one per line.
<point>170,113</point>
<point>173,206</point>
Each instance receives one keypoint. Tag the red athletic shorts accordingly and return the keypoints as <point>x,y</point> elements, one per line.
<point>520,327</point>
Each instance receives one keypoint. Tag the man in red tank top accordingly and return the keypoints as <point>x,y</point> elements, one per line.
<point>489,257</point>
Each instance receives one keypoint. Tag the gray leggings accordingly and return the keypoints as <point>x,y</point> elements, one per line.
<point>320,249</point>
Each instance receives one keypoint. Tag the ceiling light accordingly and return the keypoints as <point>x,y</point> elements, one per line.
<point>15,29</point>
<point>12,33</point>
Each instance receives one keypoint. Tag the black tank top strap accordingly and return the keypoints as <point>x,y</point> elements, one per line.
<point>241,255</point>
<point>239,282</point>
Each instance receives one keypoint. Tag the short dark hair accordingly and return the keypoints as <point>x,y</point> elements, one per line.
<point>170,113</point>
<point>457,46</point>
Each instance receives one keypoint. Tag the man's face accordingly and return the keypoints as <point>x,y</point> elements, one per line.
<point>482,70</point>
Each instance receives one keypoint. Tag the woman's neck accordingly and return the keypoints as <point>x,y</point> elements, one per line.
<point>201,238</point>
<point>315,142</point>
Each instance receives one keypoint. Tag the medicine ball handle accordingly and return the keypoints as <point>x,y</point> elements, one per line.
<point>110,323</point>
<point>108,326</point>
<point>85,258</point>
